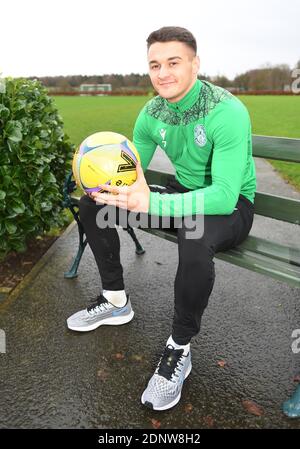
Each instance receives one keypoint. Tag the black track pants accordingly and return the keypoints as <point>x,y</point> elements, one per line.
<point>195,273</point>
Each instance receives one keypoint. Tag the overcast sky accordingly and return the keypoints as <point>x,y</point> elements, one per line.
<point>65,37</point>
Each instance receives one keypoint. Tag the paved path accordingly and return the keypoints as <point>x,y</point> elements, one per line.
<point>52,377</point>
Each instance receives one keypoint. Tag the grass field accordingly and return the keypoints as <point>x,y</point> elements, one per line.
<point>85,115</point>
<point>270,116</point>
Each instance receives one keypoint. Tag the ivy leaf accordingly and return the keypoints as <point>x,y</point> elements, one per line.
<point>46,206</point>
<point>43,134</point>
<point>2,194</point>
<point>48,177</point>
<point>4,112</point>
<point>10,227</point>
<point>19,246</point>
<point>17,206</point>
<point>20,104</point>
<point>13,131</point>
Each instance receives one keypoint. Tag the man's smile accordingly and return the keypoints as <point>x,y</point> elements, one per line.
<point>167,83</point>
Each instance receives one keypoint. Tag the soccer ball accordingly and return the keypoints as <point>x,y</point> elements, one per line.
<point>105,158</point>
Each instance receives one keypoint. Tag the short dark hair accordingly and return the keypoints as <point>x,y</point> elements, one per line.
<point>167,34</point>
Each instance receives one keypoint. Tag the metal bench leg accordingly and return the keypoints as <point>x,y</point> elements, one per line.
<point>72,273</point>
<point>291,407</point>
<point>138,247</point>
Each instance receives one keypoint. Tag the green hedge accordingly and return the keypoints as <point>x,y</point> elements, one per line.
<point>35,155</point>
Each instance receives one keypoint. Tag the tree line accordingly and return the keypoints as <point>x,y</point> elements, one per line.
<point>277,77</point>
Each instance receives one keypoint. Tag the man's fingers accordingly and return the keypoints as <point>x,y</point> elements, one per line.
<point>116,203</point>
<point>113,189</point>
<point>108,196</point>
<point>104,197</point>
<point>108,188</point>
<point>112,200</point>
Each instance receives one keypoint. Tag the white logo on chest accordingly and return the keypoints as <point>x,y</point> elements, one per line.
<point>200,135</point>
<point>163,132</point>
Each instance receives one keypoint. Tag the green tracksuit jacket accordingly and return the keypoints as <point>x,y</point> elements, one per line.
<point>207,137</point>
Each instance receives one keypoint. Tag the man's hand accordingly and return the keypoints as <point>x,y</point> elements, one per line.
<point>135,197</point>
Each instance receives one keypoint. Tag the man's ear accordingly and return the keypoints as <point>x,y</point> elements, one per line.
<point>196,65</point>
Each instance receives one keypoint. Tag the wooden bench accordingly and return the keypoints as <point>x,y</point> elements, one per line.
<point>281,262</point>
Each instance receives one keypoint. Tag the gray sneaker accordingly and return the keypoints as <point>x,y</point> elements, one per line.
<point>98,313</point>
<point>164,388</point>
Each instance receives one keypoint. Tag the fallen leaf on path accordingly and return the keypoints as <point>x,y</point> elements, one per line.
<point>221,363</point>
<point>137,358</point>
<point>209,421</point>
<point>155,423</point>
<point>103,374</point>
<point>253,408</point>
<point>188,408</point>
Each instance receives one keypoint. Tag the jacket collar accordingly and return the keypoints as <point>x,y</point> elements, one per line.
<point>188,100</point>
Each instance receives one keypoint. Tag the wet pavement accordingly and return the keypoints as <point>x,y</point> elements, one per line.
<point>55,378</point>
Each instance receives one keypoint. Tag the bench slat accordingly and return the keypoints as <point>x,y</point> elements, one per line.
<point>272,250</point>
<point>256,255</point>
<point>278,148</point>
<point>259,263</point>
<point>280,208</point>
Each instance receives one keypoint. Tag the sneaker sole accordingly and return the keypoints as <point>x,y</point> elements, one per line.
<point>108,321</point>
<point>171,404</point>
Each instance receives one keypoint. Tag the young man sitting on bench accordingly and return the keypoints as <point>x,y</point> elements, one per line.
<point>206,133</point>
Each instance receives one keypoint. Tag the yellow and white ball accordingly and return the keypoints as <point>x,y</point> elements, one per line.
<point>105,158</point>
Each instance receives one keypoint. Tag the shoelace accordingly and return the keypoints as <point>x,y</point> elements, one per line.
<point>100,304</point>
<point>169,362</point>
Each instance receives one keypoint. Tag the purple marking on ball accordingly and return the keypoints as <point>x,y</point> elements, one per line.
<point>92,189</point>
<point>96,189</point>
<point>124,145</point>
<point>84,148</point>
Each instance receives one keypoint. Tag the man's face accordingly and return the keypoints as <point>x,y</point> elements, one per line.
<point>173,69</point>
